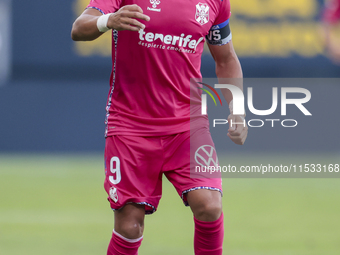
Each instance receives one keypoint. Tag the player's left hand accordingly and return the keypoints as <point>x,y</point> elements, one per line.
<point>237,132</point>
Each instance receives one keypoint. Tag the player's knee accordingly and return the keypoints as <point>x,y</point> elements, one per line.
<point>130,229</point>
<point>129,221</point>
<point>205,204</point>
<point>209,211</point>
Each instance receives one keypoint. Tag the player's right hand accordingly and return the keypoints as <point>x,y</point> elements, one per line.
<point>126,18</point>
<point>237,132</point>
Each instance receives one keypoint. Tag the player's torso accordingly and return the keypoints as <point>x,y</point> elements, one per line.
<point>152,68</point>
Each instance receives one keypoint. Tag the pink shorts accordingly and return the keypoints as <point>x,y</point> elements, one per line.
<point>134,167</point>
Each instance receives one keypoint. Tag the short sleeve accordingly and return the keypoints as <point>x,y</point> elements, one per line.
<point>224,12</point>
<point>219,33</point>
<point>105,6</point>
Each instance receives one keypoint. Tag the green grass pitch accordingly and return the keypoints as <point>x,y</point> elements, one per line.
<point>57,205</point>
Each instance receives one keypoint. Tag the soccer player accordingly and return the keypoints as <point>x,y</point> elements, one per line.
<point>331,20</point>
<point>152,126</point>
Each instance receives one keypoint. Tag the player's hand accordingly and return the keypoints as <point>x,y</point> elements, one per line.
<point>126,18</point>
<point>237,132</point>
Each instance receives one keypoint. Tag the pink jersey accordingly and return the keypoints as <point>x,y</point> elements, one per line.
<point>150,79</point>
<point>332,11</point>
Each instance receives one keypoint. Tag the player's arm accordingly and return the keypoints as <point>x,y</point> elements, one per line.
<point>85,28</point>
<point>228,66</point>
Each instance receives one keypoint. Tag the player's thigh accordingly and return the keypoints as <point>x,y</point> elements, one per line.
<point>195,148</point>
<point>133,171</point>
<point>203,155</point>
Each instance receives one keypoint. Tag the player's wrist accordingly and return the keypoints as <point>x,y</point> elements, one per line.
<point>231,110</point>
<point>102,22</point>
<point>231,107</point>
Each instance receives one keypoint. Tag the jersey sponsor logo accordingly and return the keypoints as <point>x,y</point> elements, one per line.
<point>114,194</point>
<point>154,5</point>
<point>202,13</point>
<point>181,41</point>
<point>206,156</point>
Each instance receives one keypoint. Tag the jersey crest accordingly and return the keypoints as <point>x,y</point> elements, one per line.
<point>202,13</point>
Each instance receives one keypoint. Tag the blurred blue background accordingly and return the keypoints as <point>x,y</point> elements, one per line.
<point>53,90</point>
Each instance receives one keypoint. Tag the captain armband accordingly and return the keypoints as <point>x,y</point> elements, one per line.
<point>219,34</point>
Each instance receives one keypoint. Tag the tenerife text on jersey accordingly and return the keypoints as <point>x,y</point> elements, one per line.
<point>179,43</point>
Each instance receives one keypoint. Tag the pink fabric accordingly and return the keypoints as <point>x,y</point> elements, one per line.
<point>134,167</point>
<point>152,68</point>
<point>209,237</point>
<point>123,246</point>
